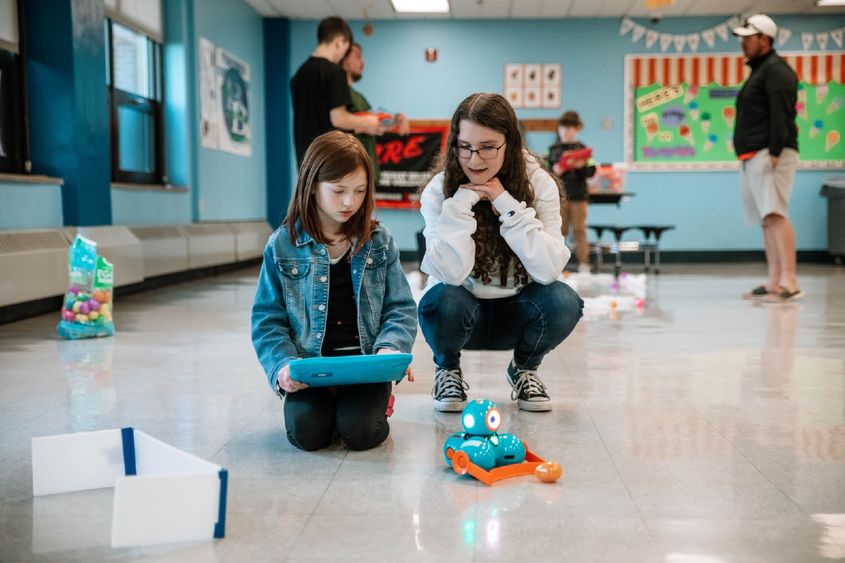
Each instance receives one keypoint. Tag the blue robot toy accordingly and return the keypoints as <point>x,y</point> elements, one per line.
<point>480,441</point>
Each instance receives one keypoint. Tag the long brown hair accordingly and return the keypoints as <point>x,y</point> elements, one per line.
<point>330,158</point>
<point>491,251</point>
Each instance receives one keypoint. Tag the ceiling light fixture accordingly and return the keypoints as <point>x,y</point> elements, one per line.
<point>823,3</point>
<point>421,6</point>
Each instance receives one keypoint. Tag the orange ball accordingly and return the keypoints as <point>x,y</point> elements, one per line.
<point>548,472</point>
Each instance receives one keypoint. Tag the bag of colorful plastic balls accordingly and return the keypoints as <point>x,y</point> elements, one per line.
<point>87,308</point>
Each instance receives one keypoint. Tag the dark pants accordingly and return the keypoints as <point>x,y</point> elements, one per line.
<point>356,412</point>
<point>531,323</point>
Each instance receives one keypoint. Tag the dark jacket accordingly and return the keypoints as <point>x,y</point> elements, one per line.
<point>765,107</point>
<point>574,181</point>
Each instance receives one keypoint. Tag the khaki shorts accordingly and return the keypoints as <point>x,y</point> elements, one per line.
<point>765,190</point>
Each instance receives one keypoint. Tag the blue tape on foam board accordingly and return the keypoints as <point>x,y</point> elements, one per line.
<point>220,526</point>
<point>128,435</point>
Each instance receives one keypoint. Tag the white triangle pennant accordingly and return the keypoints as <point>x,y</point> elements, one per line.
<point>692,41</point>
<point>807,40</point>
<point>709,37</point>
<point>821,39</point>
<point>651,38</point>
<point>733,22</point>
<point>679,41</point>
<point>626,26</point>
<point>836,35</point>
<point>722,31</point>
<point>665,41</point>
<point>637,34</point>
<point>783,36</point>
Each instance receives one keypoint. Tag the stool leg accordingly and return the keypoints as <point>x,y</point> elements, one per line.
<point>647,257</point>
<point>657,258</point>
<point>617,266</point>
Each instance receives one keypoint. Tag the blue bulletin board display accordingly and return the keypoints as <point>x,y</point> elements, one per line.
<point>680,110</point>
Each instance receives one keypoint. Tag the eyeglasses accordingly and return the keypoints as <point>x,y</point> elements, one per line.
<point>485,153</point>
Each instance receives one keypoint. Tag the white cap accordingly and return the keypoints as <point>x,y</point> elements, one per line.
<point>755,24</point>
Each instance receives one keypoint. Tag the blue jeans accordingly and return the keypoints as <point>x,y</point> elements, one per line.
<point>531,323</point>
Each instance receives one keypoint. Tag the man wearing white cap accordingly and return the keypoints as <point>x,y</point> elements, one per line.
<point>766,143</point>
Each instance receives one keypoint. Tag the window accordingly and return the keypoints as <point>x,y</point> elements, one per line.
<point>134,82</point>
<point>13,157</point>
<point>11,122</point>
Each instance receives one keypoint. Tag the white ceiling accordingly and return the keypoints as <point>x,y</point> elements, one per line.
<point>533,9</point>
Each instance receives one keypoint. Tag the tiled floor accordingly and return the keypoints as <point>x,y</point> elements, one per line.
<point>706,429</point>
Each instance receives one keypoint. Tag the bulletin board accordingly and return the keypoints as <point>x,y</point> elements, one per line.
<point>680,109</point>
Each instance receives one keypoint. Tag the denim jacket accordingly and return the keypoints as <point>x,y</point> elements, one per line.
<point>291,300</point>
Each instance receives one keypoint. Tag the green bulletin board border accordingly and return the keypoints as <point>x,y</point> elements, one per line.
<point>629,124</point>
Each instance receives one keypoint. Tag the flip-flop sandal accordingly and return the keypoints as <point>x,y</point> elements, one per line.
<point>783,295</point>
<point>758,292</point>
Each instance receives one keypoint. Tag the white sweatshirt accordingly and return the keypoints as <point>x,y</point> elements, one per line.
<point>533,233</point>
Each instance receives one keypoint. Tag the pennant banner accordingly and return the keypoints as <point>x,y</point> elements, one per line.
<point>723,31</point>
<point>637,34</point>
<point>807,40</point>
<point>692,41</point>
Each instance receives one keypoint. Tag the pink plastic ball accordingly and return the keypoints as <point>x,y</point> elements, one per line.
<point>68,315</point>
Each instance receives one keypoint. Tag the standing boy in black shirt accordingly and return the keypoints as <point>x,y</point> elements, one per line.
<point>320,93</point>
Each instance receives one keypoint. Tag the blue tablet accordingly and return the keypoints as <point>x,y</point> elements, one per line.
<point>349,370</point>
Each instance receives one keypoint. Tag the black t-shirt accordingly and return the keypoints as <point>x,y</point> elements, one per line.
<point>575,180</point>
<point>341,337</point>
<point>318,87</point>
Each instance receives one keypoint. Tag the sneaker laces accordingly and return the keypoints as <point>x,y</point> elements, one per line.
<point>528,384</point>
<point>448,383</point>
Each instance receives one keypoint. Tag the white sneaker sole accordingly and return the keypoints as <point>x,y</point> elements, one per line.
<point>449,406</point>
<point>534,406</point>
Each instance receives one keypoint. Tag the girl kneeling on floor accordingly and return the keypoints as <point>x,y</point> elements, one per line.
<point>331,284</point>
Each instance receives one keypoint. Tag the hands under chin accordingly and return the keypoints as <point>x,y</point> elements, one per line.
<point>489,190</point>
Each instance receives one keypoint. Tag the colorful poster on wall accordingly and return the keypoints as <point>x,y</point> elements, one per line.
<point>224,101</point>
<point>681,110</point>
<point>233,114</point>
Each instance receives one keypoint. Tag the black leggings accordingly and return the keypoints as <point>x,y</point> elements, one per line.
<point>357,412</point>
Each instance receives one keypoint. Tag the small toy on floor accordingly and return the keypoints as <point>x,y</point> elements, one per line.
<point>489,456</point>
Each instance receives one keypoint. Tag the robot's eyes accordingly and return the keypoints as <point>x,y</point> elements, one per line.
<point>494,419</point>
<point>469,421</point>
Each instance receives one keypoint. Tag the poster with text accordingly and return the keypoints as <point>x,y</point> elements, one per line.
<point>233,111</point>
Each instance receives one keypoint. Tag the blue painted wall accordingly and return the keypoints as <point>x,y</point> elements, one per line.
<point>70,124</point>
<point>232,187</point>
<point>704,205</point>
<point>279,138</point>
<point>30,206</point>
<point>68,105</point>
